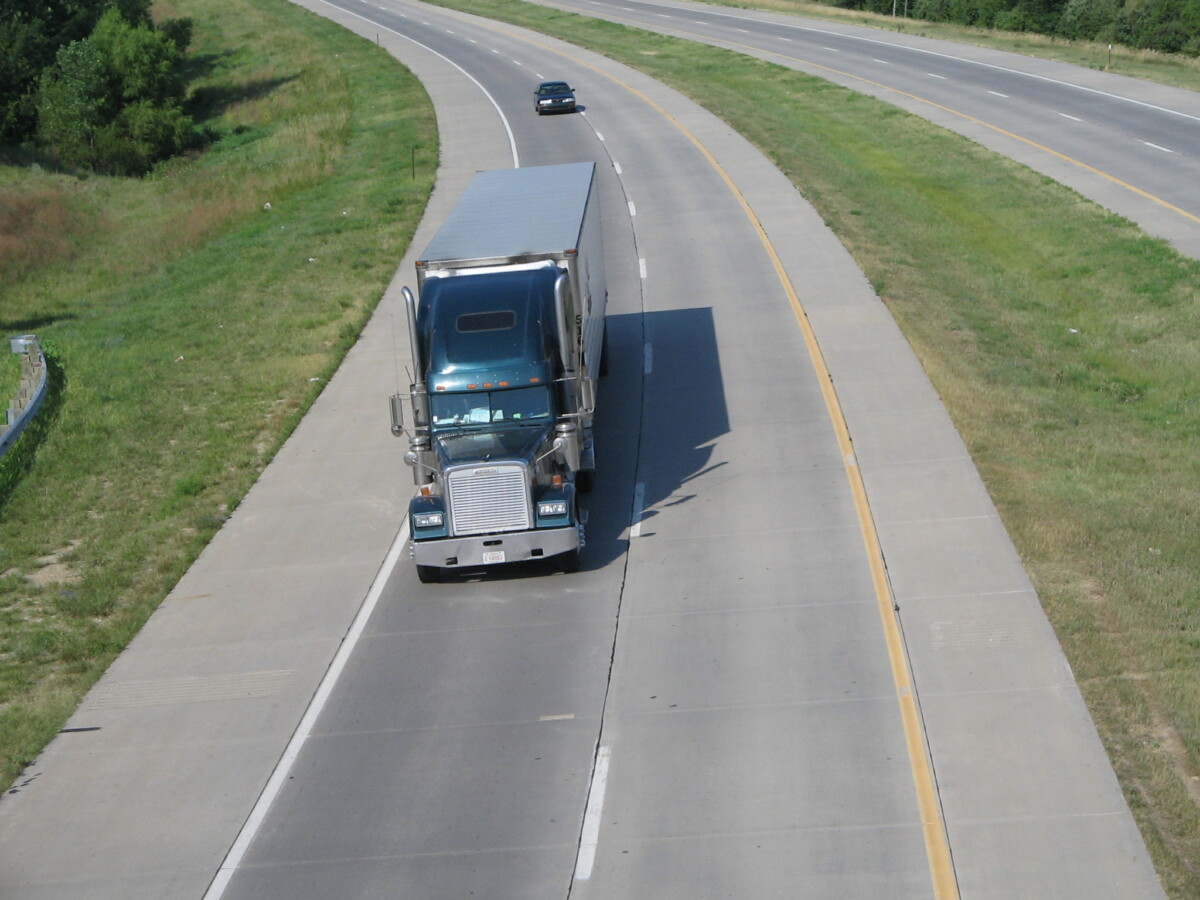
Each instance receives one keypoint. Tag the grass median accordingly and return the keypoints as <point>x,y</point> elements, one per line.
<point>1063,342</point>
<point>196,313</point>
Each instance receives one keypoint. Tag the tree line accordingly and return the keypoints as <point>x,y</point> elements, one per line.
<point>97,84</point>
<point>1168,26</point>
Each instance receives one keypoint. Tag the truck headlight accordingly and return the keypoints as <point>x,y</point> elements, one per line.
<point>548,509</point>
<point>428,520</point>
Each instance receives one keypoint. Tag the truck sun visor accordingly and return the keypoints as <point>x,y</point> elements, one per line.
<point>498,320</point>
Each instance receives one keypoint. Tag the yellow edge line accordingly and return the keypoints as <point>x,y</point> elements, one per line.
<point>937,847</point>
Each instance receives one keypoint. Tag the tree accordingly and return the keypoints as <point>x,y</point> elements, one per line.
<point>74,102</point>
<point>31,34</point>
<point>113,102</point>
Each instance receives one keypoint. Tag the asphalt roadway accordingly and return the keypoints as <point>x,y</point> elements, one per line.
<point>802,660</point>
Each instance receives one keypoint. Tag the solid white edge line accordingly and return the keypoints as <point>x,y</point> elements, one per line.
<point>284,767</point>
<point>591,819</point>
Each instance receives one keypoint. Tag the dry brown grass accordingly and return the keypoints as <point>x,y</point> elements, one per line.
<point>39,226</point>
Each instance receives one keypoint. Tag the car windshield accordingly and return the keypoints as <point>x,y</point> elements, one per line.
<point>519,405</point>
<point>554,87</point>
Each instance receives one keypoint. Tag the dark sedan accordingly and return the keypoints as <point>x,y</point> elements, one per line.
<point>554,96</point>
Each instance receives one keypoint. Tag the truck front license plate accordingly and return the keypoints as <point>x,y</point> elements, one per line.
<point>493,556</point>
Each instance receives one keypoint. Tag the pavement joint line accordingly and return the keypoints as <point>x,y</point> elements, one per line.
<point>927,520</point>
<point>279,776</point>
<point>774,607</point>
<point>759,832</point>
<point>920,461</point>
<point>429,854</point>
<point>519,626</point>
<point>757,707</point>
<point>971,595</point>
<point>1021,820</point>
<point>1047,688</point>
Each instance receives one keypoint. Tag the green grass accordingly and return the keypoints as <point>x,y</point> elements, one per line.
<point>194,325</point>
<point>1063,342</point>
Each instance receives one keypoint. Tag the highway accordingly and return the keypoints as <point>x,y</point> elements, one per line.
<point>802,659</point>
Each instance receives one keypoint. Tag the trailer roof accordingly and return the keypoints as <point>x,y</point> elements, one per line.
<point>515,213</point>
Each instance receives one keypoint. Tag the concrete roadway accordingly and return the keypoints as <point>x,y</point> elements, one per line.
<point>720,705</point>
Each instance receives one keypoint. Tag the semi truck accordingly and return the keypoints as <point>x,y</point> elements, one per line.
<point>506,333</point>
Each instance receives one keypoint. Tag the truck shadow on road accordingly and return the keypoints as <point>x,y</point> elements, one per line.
<point>661,407</point>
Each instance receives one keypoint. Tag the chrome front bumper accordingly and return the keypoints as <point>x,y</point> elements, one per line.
<point>494,549</point>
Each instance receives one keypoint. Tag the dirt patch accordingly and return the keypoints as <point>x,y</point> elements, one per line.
<point>55,569</point>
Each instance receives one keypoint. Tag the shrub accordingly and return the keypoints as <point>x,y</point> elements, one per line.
<point>113,102</point>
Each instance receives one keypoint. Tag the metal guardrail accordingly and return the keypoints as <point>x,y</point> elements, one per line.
<point>24,406</point>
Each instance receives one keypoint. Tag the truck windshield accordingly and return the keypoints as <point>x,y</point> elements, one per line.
<point>527,404</point>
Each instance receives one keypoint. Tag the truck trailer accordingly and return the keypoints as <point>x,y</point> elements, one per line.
<point>507,340</point>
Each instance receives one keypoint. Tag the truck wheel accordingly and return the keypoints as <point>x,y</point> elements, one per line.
<point>583,481</point>
<point>604,355</point>
<point>429,574</point>
<point>569,562</point>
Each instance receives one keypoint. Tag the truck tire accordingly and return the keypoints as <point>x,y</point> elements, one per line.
<point>569,562</point>
<point>429,574</point>
<point>604,355</point>
<point>583,481</point>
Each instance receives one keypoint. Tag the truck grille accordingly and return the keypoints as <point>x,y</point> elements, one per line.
<point>486,499</point>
